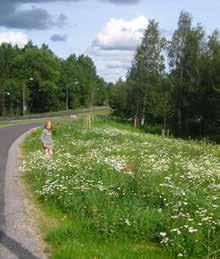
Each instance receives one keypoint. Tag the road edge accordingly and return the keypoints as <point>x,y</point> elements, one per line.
<point>18,226</point>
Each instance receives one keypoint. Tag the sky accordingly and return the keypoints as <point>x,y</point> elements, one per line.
<point>108,31</point>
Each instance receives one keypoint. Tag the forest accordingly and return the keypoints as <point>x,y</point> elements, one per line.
<point>34,80</point>
<point>173,84</point>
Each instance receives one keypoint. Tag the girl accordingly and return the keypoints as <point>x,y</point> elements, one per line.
<point>46,138</point>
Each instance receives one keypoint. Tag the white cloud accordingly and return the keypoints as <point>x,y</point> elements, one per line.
<point>119,34</point>
<point>114,47</point>
<point>117,64</point>
<point>14,38</point>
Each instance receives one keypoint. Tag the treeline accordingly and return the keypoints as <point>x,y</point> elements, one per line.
<point>34,80</point>
<point>173,83</point>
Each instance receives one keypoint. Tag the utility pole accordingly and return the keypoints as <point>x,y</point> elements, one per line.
<point>23,97</point>
<point>3,102</point>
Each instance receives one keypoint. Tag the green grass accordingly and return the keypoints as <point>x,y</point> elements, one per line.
<point>73,239</point>
<point>117,192</point>
<point>15,122</point>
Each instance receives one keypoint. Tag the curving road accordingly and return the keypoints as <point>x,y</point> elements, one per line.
<point>8,135</point>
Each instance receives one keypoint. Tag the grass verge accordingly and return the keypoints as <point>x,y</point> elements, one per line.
<point>15,122</point>
<point>119,193</point>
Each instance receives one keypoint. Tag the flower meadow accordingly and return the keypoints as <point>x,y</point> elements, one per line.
<point>121,183</point>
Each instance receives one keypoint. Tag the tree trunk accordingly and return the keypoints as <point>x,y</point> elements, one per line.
<point>136,124</point>
<point>179,111</point>
<point>179,115</point>
<point>144,110</point>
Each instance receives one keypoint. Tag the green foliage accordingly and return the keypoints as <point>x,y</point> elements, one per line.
<point>118,100</point>
<point>145,73</point>
<point>153,129</point>
<point>185,98</point>
<point>51,76</point>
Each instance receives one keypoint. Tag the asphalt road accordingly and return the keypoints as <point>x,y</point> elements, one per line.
<point>8,135</point>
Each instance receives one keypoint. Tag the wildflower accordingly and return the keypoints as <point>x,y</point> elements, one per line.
<point>127,222</point>
<point>192,230</point>
<point>84,162</point>
<point>164,240</point>
<point>176,230</point>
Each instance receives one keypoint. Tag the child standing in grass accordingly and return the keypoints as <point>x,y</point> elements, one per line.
<point>46,138</point>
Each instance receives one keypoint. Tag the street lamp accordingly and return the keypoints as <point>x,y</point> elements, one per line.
<point>3,101</point>
<point>24,106</point>
<point>67,94</point>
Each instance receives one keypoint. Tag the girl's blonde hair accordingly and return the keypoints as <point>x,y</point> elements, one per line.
<point>46,123</point>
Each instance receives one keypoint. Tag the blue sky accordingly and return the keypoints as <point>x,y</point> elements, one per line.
<point>108,32</point>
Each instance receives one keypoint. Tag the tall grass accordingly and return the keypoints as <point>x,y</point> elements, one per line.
<point>126,194</point>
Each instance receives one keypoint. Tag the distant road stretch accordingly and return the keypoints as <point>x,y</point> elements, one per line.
<point>54,114</point>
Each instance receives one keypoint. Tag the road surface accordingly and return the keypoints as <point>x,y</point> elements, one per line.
<point>8,135</point>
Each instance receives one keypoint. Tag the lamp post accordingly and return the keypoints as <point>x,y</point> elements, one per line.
<point>67,94</point>
<point>8,94</point>
<point>23,94</point>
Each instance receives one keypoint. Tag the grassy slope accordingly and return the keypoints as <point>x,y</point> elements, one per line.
<point>14,122</point>
<point>102,210</point>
